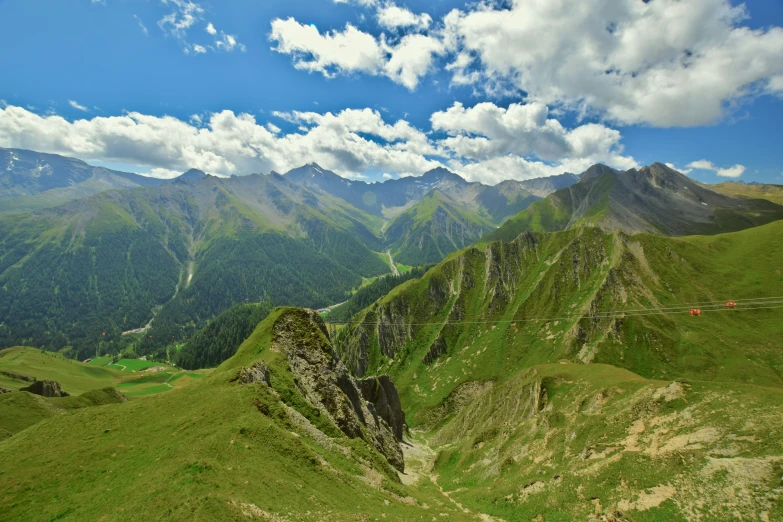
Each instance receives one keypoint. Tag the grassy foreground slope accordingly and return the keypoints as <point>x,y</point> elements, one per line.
<point>571,442</point>
<point>21,365</point>
<point>20,410</point>
<point>74,377</point>
<point>218,450</point>
<point>543,394</point>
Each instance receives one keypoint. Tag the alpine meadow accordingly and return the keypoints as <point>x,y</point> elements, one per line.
<point>365,260</point>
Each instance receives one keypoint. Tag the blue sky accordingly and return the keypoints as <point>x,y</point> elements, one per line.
<point>374,89</point>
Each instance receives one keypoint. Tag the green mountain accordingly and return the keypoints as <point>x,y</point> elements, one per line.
<point>433,228</point>
<point>278,432</point>
<point>32,181</point>
<point>367,295</point>
<point>654,199</point>
<point>222,336</point>
<point>432,215</point>
<point>181,253</point>
<point>393,196</point>
<point>560,375</point>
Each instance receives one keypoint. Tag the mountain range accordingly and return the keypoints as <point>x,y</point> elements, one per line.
<point>165,259</point>
<point>654,199</point>
<point>555,376</point>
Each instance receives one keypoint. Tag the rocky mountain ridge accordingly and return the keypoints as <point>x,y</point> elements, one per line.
<point>654,199</point>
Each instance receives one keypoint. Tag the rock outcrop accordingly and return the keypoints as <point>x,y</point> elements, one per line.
<point>257,372</point>
<point>5,390</point>
<point>384,402</point>
<point>437,349</point>
<point>46,389</point>
<point>325,382</point>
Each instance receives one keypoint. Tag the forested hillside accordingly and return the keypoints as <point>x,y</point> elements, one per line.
<point>81,274</point>
<point>220,339</point>
<point>367,295</point>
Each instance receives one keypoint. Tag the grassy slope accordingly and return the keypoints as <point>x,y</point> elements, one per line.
<point>773,193</point>
<point>433,228</point>
<point>732,360</point>
<point>572,271</point>
<point>569,442</point>
<point>74,377</point>
<point>77,378</point>
<point>20,410</point>
<point>205,453</point>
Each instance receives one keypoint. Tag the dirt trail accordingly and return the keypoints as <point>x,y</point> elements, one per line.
<point>392,265</point>
<point>330,308</point>
<point>419,462</point>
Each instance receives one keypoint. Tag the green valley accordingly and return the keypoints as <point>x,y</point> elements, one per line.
<point>549,369</point>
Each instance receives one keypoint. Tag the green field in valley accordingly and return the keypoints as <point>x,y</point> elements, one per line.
<point>133,377</point>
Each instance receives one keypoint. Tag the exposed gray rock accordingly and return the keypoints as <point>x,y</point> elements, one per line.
<point>5,390</point>
<point>326,383</point>
<point>381,393</point>
<point>256,373</point>
<point>46,389</point>
<point>437,349</point>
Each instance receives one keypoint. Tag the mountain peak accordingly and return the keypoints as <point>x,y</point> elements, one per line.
<point>596,171</point>
<point>192,175</point>
<point>312,170</point>
<point>440,173</point>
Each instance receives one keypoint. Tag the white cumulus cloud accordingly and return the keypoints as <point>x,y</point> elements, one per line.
<point>665,62</point>
<point>352,51</point>
<point>391,16</point>
<point>731,172</point>
<point>488,132</point>
<point>351,142</point>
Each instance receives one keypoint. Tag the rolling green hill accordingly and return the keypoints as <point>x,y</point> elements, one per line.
<point>21,365</point>
<point>228,447</point>
<point>75,377</point>
<point>773,193</point>
<point>20,410</point>
<point>654,199</point>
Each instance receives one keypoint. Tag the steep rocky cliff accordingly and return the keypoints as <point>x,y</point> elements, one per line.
<point>579,295</point>
<point>368,408</point>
